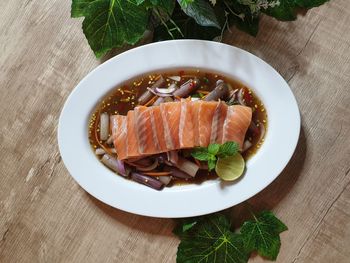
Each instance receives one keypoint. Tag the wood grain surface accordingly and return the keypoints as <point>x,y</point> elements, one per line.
<point>46,217</point>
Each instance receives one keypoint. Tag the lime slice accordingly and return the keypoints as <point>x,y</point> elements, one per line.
<point>230,168</point>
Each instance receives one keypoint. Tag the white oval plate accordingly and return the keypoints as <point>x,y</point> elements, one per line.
<point>186,200</point>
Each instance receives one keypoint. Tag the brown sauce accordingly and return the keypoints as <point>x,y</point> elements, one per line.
<point>125,97</point>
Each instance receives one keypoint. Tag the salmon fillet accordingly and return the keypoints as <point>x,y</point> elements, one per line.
<point>177,125</point>
<point>217,125</point>
<point>158,129</point>
<point>195,105</point>
<point>119,131</point>
<point>171,113</point>
<point>144,131</point>
<point>236,124</point>
<point>186,128</point>
<point>205,118</point>
<point>132,140</point>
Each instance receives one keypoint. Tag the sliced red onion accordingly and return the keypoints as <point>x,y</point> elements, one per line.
<point>104,126</point>
<point>173,157</point>
<point>175,172</point>
<point>175,78</point>
<point>168,90</point>
<point>114,164</point>
<point>159,94</point>
<point>99,151</point>
<point>262,131</point>
<point>165,179</point>
<point>240,97</point>
<point>187,166</point>
<point>110,140</point>
<point>147,180</point>
<point>247,144</point>
<point>148,168</point>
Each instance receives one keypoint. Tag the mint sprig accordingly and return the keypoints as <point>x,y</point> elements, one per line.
<point>215,151</point>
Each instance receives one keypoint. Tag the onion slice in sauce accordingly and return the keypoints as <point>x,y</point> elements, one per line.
<point>114,164</point>
<point>104,126</point>
<point>148,168</point>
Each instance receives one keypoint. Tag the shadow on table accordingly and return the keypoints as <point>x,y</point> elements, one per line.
<point>150,225</point>
<point>277,190</point>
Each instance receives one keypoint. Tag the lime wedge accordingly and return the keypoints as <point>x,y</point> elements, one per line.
<point>230,168</point>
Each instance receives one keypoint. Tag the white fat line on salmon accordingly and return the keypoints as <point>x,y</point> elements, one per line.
<point>141,129</point>
<point>167,134</point>
<point>183,114</point>
<point>215,123</point>
<point>124,132</point>
<point>154,131</point>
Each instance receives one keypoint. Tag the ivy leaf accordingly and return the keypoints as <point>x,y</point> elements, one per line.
<point>262,234</point>
<point>286,10</point>
<point>210,240</point>
<point>201,11</point>
<point>111,23</point>
<point>167,5</point>
<point>78,7</point>
<point>310,3</point>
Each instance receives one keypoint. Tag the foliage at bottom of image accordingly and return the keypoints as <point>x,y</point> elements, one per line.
<point>211,238</point>
<point>114,23</point>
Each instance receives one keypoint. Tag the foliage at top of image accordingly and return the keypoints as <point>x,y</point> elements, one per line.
<point>113,23</point>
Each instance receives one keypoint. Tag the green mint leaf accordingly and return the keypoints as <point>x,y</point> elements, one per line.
<point>201,11</point>
<point>210,240</point>
<point>262,234</point>
<point>200,153</point>
<point>111,23</point>
<point>211,164</point>
<point>213,148</point>
<point>228,149</point>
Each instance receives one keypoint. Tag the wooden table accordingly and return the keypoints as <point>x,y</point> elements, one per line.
<point>46,217</point>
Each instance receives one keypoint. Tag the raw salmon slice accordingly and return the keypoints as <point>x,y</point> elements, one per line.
<point>195,106</point>
<point>236,124</point>
<point>171,112</point>
<point>132,140</point>
<point>119,133</point>
<point>144,131</point>
<point>205,118</point>
<point>158,129</point>
<point>186,128</point>
<point>217,124</point>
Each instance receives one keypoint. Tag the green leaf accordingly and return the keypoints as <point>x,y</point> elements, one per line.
<point>211,162</point>
<point>262,234</point>
<point>228,149</point>
<point>287,9</point>
<point>113,23</point>
<point>200,153</point>
<point>167,5</point>
<point>310,3</point>
<point>201,11</point>
<point>210,240</point>
<point>213,148</point>
<point>78,7</point>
